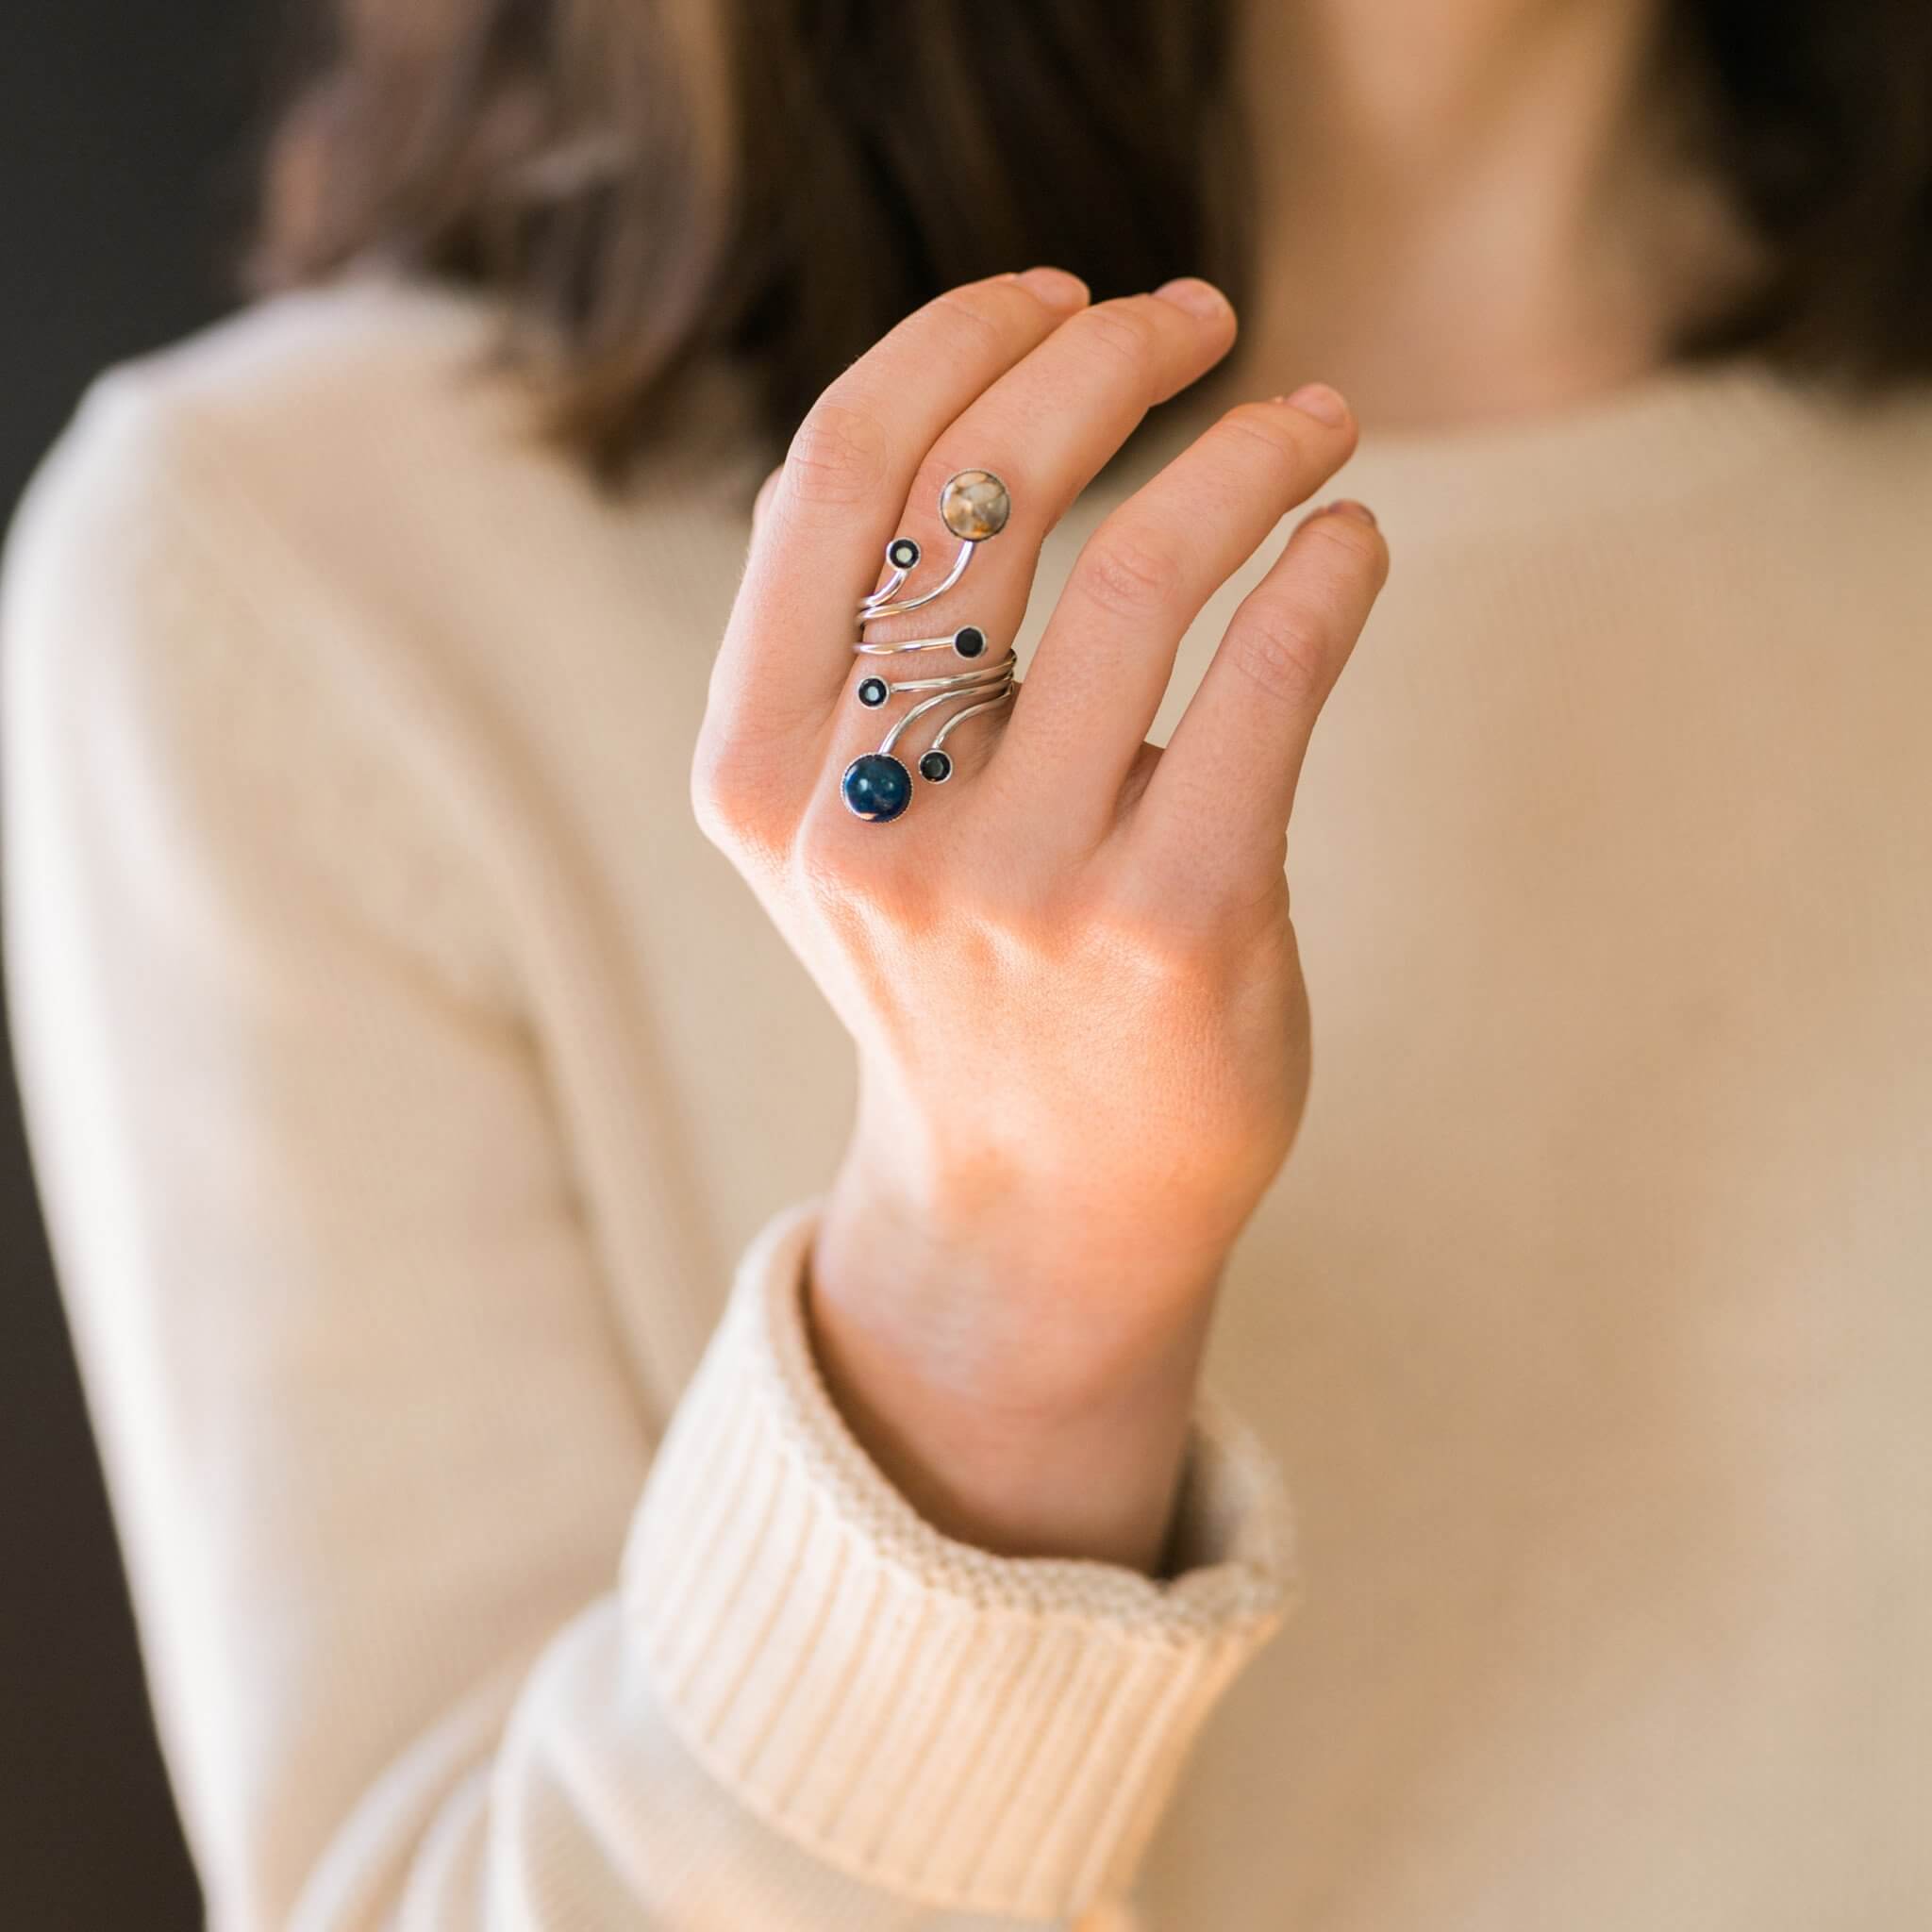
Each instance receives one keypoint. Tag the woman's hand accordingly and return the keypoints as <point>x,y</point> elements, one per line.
<point>1070,970</point>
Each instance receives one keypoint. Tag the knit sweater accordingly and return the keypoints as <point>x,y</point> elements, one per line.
<point>431,1131</point>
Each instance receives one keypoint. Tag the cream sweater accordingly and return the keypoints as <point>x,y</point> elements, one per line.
<point>412,1091</point>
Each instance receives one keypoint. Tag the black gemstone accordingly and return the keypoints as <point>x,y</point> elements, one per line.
<point>876,785</point>
<point>935,767</point>
<point>873,692</point>
<point>903,553</point>
<point>969,641</point>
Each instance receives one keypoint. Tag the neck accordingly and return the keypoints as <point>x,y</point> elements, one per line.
<point>1467,208</point>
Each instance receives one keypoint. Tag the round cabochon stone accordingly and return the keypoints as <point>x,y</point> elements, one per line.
<point>975,505</point>
<point>876,785</point>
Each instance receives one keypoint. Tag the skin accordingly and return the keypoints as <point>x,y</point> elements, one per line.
<point>1472,209</point>
<point>1070,973</point>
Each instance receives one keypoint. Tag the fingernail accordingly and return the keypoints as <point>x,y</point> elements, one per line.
<point>1345,506</point>
<point>1318,400</point>
<point>1196,296</point>
<point>1055,287</point>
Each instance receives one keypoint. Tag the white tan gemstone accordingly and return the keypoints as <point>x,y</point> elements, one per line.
<point>975,505</point>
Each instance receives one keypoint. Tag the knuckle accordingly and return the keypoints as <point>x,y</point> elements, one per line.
<point>719,806</point>
<point>838,454</point>
<point>1021,899</point>
<point>1165,946</point>
<point>718,814</point>
<point>866,902</point>
<point>1282,652</point>
<point>970,321</point>
<point>730,796</point>
<point>1263,424</point>
<point>1128,574</point>
<point>824,871</point>
<point>1116,329</point>
<point>1146,940</point>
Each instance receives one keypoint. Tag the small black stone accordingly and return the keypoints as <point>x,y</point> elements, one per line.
<point>873,692</point>
<point>902,552</point>
<point>935,767</point>
<point>876,785</point>
<point>969,641</point>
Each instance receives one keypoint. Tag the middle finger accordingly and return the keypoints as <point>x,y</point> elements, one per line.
<point>1046,429</point>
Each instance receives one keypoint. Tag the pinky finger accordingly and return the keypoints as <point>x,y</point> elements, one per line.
<point>1218,803</point>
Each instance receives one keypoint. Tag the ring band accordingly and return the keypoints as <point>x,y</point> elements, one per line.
<point>974,506</point>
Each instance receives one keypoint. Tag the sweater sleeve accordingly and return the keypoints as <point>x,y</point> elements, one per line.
<point>444,1626</point>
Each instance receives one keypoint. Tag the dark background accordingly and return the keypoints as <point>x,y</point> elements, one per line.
<point>128,135</point>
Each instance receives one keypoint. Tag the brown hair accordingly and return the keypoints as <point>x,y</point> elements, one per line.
<point>659,183</point>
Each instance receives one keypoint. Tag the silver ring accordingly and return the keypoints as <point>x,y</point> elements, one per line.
<point>877,786</point>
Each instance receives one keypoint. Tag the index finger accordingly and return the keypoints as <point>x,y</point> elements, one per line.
<point>817,546</point>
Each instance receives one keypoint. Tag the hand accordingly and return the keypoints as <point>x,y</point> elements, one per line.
<point>1070,970</point>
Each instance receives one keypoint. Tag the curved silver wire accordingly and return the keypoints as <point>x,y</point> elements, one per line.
<point>877,784</point>
<point>881,603</point>
<point>939,737</point>
<point>957,680</point>
<point>1003,684</point>
<point>945,643</point>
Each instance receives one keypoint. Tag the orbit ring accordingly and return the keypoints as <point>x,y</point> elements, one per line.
<point>877,786</point>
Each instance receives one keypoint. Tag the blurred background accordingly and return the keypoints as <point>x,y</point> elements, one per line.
<point>127,136</point>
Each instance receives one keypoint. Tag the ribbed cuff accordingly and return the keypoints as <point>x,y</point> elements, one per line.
<point>990,1733</point>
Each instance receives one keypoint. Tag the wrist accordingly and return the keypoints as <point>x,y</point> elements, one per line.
<point>1032,1297</point>
<point>1024,1374</point>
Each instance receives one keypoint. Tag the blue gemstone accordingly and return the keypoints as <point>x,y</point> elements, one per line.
<point>935,767</point>
<point>876,785</point>
<point>969,641</point>
<point>873,691</point>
